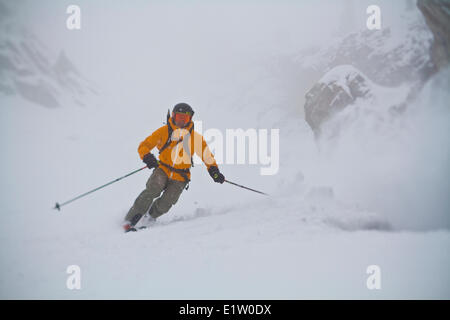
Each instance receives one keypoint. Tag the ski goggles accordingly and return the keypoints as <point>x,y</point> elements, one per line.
<point>183,118</point>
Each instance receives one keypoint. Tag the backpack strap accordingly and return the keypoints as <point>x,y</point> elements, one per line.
<point>169,136</point>
<point>187,149</point>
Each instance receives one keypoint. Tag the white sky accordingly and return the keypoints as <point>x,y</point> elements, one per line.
<point>137,41</point>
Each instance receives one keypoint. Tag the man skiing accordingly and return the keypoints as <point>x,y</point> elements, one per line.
<point>176,142</point>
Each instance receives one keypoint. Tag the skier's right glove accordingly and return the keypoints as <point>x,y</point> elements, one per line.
<point>216,175</point>
<point>150,160</point>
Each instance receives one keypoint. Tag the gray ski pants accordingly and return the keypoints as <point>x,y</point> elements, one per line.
<point>157,183</point>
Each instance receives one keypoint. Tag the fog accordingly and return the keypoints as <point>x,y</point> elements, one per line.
<point>149,46</point>
<point>371,189</point>
<point>220,57</point>
<point>395,166</point>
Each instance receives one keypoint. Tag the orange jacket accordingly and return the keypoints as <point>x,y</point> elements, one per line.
<point>177,154</point>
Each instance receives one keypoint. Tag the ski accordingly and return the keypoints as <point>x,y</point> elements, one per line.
<point>143,222</point>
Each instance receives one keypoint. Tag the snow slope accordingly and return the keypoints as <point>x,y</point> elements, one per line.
<point>334,208</point>
<point>218,242</point>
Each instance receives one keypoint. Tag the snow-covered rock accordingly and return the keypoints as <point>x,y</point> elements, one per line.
<point>390,56</point>
<point>30,70</point>
<point>437,16</point>
<point>343,86</point>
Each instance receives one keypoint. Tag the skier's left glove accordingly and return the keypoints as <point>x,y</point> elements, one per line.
<point>216,175</point>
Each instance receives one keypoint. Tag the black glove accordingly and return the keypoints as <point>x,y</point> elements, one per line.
<point>216,175</point>
<point>150,160</point>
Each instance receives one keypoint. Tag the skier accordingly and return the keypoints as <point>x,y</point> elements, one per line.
<point>176,142</point>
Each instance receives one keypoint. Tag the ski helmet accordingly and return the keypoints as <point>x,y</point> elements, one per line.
<point>182,114</point>
<point>183,108</point>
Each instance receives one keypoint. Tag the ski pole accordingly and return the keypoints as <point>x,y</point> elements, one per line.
<point>58,206</point>
<point>246,187</point>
